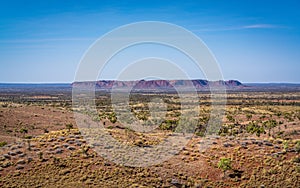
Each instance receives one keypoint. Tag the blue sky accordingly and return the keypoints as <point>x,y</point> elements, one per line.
<point>253,41</point>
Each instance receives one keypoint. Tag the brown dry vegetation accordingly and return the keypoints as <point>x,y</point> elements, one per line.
<point>260,135</point>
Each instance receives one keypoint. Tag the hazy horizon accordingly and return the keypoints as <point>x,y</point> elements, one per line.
<point>147,80</point>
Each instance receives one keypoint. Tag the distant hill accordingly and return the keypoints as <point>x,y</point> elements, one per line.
<point>147,85</point>
<point>160,84</point>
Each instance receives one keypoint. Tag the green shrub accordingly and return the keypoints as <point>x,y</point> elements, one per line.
<point>253,127</point>
<point>224,164</point>
<point>201,134</point>
<point>23,130</point>
<point>249,116</point>
<point>69,126</point>
<point>28,137</point>
<point>3,144</point>
<point>297,147</point>
<point>296,160</point>
<point>285,144</point>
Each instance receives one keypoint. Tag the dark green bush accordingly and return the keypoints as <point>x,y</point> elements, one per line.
<point>3,143</point>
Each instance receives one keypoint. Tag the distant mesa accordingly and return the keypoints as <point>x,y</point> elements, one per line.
<point>159,84</point>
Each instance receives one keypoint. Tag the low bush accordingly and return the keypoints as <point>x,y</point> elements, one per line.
<point>3,143</point>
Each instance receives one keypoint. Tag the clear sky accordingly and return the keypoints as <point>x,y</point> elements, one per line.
<point>253,41</point>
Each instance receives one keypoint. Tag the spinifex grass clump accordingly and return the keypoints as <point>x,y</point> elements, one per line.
<point>225,165</point>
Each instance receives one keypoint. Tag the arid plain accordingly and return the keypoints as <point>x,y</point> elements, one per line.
<point>258,144</point>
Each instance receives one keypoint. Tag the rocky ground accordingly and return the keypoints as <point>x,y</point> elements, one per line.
<point>64,159</point>
<point>42,147</point>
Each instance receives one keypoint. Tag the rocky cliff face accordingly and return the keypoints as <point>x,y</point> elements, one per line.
<point>159,84</point>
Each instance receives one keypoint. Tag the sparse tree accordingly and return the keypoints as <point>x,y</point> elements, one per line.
<point>230,118</point>
<point>23,131</point>
<point>46,130</point>
<point>29,145</point>
<point>40,155</point>
<point>69,126</point>
<point>249,117</point>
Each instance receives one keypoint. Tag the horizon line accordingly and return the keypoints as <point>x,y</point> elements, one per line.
<point>53,83</point>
